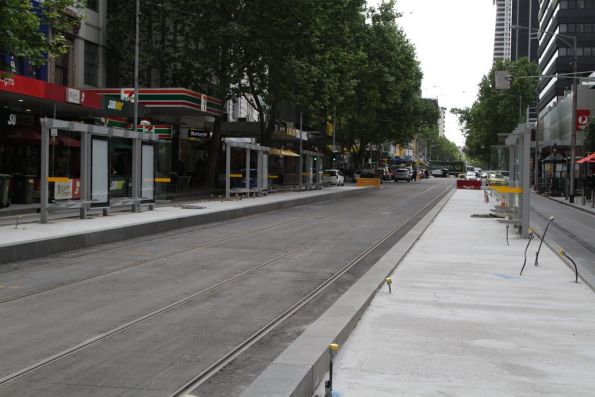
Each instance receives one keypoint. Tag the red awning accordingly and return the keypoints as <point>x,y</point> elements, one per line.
<point>589,159</point>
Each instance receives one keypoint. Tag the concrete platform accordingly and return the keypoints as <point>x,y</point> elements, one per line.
<point>461,321</point>
<point>34,239</point>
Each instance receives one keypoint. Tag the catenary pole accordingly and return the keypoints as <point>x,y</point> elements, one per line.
<point>573,126</point>
<point>301,164</point>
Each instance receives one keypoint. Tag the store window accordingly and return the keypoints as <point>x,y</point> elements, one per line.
<point>91,64</point>
<point>61,69</point>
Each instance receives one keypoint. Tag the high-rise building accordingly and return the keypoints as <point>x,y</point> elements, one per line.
<point>513,43</point>
<point>566,19</point>
<point>502,42</point>
<point>442,122</point>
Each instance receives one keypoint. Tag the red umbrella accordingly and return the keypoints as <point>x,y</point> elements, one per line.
<point>589,159</point>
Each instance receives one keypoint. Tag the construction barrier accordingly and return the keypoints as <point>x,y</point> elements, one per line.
<point>465,184</point>
<point>368,182</point>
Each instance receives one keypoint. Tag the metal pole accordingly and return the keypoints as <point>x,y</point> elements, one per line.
<point>45,154</point>
<point>526,181</point>
<point>573,126</point>
<point>247,181</point>
<point>136,145</point>
<point>136,44</point>
<point>334,131</point>
<point>227,170</point>
<point>301,162</point>
<point>537,157</point>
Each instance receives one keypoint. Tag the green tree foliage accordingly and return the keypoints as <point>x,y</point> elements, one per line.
<point>385,103</point>
<point>497,111</point>
<point>20,28</point>
<point>321,57</point>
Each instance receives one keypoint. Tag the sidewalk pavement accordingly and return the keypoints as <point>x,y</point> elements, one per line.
<point>34,239</point>
<point>460,320</point>
<point>577,203</point>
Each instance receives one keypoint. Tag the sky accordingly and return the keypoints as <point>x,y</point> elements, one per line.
<point>454,41</point>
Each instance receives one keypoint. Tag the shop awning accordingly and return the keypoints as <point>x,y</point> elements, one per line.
<point>283,153</point>
<point>589,159</point>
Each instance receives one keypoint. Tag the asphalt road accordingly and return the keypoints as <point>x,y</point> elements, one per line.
<point>129,319</point>
<point>572,229</point>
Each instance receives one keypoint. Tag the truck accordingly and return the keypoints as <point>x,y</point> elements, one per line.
<point>448,167</point>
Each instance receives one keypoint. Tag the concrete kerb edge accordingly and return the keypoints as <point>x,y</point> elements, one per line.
<point>308,384</point>
<point>550,244</point>
<point>569,205</point>
<point>46,246</point>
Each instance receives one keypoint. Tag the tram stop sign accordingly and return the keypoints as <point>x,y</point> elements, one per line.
<point>582,119</point>
<point>503,79</point>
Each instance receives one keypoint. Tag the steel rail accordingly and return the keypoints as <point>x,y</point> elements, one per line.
<point>255,337</point>
<point>42,363</point>
<point>179,252</point>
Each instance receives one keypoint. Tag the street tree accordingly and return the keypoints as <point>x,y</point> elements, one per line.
<point>34,30</point>
<point>497,111</point>
<point>385,101</point>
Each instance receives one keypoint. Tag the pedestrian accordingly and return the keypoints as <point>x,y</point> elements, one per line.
<point>414,174</point>
<point>427,173</point>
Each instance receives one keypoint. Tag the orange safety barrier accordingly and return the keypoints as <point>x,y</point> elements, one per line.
<point>368,182</point>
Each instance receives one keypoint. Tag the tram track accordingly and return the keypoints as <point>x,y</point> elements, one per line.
<point>212,369</point>
<point>316,214</point>
<point>254,338</point>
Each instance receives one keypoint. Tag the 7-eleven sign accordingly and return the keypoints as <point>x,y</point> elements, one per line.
<point>127,94</point>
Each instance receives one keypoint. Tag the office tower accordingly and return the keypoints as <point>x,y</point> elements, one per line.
<point>566,19</point>
<point>502,36</point>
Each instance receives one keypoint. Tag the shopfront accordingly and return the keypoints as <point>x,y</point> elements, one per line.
<point>184,121</point>
<point>23,103</point>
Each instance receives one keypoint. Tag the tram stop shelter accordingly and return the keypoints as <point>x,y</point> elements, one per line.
<point>311,170</point>
<point>91,190</point>
<point>516,194</point>
<point>246,168</point>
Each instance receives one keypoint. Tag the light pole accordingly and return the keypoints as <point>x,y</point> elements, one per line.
<point>574,100</point>
<point>301,163</point>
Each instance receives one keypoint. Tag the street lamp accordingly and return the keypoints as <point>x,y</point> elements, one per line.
<point>574,99</point>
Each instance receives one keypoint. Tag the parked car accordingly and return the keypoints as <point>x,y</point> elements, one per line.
<point>439,173</point>
<point>333,177</point>
<point>368,173</point>
<point>471,176</point>
<point>384,174</point>
<point>402,174</point>
<point>496,179</point>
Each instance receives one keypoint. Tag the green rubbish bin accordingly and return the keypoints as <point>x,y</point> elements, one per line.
<point>4,184</point>
<point>23,188</point>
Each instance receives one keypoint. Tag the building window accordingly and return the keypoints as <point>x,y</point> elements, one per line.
<point>61,69</point>
<point>93,5</point>
<point>91,64</point>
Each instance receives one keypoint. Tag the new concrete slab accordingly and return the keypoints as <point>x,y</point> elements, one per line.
<point>33,239</point>
<point>461,321</point>
<point>335,325</point>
